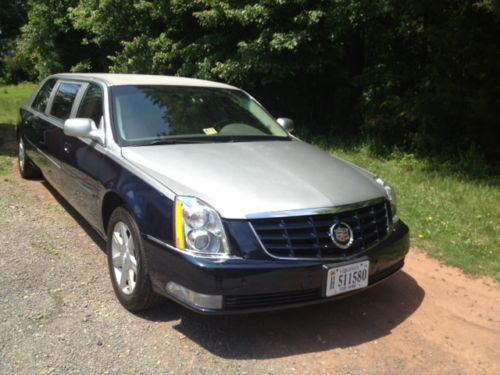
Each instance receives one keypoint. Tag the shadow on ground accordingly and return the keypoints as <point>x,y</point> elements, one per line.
<point>361,318</point>
<point>7,139</point>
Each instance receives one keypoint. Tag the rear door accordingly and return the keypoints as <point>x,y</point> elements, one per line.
<point>50,129</point>
<point>33,117</point>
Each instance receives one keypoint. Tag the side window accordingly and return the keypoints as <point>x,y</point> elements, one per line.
<point>63,101</point>
<point>91,104</point>
<point>42,98</point>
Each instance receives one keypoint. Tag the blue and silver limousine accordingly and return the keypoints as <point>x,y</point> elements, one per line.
<point>203,197</point>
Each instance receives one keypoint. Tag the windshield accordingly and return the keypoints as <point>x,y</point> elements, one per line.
<point>167,114</point>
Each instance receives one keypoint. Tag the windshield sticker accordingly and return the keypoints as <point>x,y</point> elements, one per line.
<point>210,131</point>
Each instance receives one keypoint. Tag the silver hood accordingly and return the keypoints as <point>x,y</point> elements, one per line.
<point>252,179</point>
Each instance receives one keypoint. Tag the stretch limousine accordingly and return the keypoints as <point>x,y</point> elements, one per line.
<point>203,197</point>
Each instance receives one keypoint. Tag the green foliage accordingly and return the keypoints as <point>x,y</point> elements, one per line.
<point>81,67</point>
<point>433,82</point>
<point>419,75</point>
<point>47,21</point>
<point>50,43</point>
<point>12,17</point>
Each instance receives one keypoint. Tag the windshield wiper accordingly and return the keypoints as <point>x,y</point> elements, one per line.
<point>173,141</point>
<point>214,139</point>
<point>250,138</point>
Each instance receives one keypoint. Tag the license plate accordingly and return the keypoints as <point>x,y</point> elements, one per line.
<point>346,278</point>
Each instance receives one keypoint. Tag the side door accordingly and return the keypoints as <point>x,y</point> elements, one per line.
<point>51,129</point>
<point>84,160</point>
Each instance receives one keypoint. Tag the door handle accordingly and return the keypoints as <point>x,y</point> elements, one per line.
<point>67,147</point>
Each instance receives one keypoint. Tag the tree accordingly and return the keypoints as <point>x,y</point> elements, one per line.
<point>51,42</point>
<point>12,17</point>
<point>418,74</point>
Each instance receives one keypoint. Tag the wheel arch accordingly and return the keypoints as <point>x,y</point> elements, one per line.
<point>150,208</point>
<point>110,202</point>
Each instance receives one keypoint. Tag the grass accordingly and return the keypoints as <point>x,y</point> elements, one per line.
<point>451,206</point>
<point>11,99</point>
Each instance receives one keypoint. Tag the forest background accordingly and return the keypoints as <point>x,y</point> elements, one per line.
<point>419,76</point>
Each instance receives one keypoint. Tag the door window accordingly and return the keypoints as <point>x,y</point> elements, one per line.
<point>91,105</point>
<point>42,98</point>
<point>63,101</point>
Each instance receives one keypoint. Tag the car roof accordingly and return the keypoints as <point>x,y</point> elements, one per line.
<point>115,79</point>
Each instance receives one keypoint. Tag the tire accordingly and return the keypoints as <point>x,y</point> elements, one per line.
<point>27,169</point>
<point>127,264</point>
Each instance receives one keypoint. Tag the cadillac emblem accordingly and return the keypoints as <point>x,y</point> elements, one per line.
<point>341,235</point>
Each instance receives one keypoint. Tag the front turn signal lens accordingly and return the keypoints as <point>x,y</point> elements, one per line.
<point>179,226</point>
<point>199,229</point>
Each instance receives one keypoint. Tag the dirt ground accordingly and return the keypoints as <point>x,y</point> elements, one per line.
<point>58,314</point>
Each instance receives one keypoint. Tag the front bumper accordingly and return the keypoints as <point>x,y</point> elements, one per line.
<point>250,285</point>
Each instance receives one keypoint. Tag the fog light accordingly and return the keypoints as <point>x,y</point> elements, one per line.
<point>205,301</point>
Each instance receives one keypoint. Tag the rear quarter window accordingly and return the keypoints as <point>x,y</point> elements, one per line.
<point>42,98</point>
<point>63,100</point>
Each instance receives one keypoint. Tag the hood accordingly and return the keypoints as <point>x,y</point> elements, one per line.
<point>249,179</point>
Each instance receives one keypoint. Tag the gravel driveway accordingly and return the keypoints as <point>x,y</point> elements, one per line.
<point>58,314</point>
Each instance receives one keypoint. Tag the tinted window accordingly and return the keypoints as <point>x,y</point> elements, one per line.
<point>42,98</point>
<point>145,114</point>
<point>63,101</point>
<point>91,105</point>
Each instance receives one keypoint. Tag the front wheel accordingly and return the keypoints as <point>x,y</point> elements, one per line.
<point>127,263</point>
<point>26,167</point>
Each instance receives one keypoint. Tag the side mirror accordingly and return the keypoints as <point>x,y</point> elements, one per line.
<point>84,128</point>
<point>286,123</point>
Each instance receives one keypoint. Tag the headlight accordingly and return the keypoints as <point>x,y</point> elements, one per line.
<point>391,195</point>
<point>198,228</point>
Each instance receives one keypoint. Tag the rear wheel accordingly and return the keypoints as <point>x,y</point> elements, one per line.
<point>127,263</point>
<point>26,167</point>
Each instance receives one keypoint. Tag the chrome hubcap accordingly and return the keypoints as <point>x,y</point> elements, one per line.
<point>22,158</point>
<point>124,258</point>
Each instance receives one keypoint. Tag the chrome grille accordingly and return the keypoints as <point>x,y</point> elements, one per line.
<point>308,236</point>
